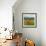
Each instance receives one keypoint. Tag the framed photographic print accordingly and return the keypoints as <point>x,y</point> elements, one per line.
<point>29,20</point>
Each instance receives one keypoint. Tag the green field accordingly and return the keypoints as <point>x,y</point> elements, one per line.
<point>28,21</point>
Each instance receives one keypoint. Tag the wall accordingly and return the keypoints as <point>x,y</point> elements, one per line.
<point>28,6</point>
<point>43,22</point>
<point>6,13</point>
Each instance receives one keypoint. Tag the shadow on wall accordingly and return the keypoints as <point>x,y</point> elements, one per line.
<point>31,6</point>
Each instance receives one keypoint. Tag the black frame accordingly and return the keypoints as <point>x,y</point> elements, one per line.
<point>35,20</point>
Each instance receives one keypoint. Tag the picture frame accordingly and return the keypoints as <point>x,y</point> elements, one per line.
<point>29,20</point>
